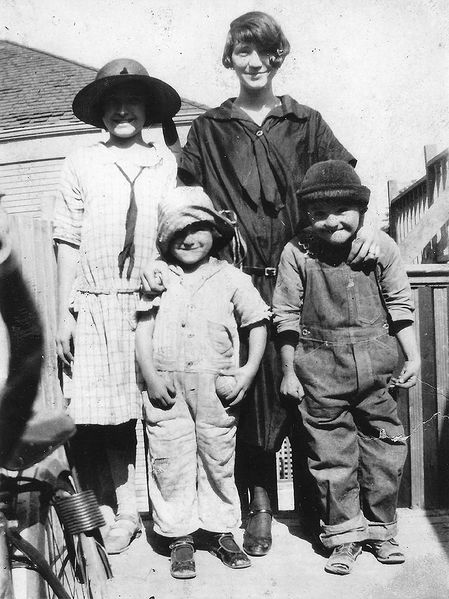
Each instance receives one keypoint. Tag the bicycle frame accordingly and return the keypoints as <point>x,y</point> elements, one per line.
<point>6,588</point>
<point>16,552</point>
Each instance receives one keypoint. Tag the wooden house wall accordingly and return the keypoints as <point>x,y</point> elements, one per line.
<point>29,168</point>
<point>29,187</point>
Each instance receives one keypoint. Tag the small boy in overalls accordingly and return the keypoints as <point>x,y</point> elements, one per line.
<point>187,346</point>
<point>338,327</point>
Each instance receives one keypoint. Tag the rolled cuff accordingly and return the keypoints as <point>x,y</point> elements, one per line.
<point>354,530</point>
<point>62,235</point>
<point>289,325</point>
<point>262,316</point>
<point>148,302</point>
<point>382,531</point>
<point>397,314</point>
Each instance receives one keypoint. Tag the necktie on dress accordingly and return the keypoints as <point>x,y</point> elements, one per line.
<point>131,218</point>
<point>263,172</point>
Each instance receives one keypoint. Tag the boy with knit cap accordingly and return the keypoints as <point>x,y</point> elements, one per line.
<point>187,347</point>
<point>338,327</point>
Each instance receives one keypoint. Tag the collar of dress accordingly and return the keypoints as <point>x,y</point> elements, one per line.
<point>228,111</point>
<point>153,156</point>
<point>208,270</point>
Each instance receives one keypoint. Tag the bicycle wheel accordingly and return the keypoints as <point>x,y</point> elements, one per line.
<point>78,561</point>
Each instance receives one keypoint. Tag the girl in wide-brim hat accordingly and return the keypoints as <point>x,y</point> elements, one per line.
<point>105,231</point>
<point>162,102</point>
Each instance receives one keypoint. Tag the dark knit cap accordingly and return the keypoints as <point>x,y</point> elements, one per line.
<point>333,180</point>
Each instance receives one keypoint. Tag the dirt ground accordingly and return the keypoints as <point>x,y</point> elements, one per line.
<point>294,569</point>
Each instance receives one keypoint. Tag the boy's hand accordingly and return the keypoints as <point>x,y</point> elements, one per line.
<point>291,387</point>
<point>408,375</point>
<point>244,377</point>
<point>160,393</point>
<point>365,247</point>
<point>155,276</point>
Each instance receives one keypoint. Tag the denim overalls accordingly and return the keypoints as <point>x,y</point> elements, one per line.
<point>356,445</point>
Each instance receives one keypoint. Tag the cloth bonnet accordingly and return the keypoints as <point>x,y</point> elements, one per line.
<point>183,207</point>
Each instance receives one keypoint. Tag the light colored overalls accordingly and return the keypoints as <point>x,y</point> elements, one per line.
<point>192,444</point>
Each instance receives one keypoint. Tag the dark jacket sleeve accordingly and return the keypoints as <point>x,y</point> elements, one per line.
<point>327,145</point>
<point>190,166</point>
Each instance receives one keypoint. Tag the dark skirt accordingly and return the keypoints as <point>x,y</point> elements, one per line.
<point>265,417</point>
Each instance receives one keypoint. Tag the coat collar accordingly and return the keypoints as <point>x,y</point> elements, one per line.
<point>289,107</point>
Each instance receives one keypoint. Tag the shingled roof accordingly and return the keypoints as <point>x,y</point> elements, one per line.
<point>37,89</point>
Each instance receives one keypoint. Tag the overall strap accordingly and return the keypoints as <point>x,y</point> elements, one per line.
<point>131,218</point>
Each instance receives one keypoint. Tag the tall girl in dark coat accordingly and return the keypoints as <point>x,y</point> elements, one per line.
<point>250,155</point>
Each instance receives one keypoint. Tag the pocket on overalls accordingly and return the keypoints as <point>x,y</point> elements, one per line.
<point>368,304</point>
<point>166,338</point>
<point>220,339</point>
<point>308,356</point>
<point>384,354</point>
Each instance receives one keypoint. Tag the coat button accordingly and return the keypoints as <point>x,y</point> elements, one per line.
<point>259,133</point>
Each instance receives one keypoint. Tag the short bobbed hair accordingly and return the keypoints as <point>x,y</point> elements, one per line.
<point>260,29</point>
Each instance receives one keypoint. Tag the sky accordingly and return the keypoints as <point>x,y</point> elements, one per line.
<point>377,70</point>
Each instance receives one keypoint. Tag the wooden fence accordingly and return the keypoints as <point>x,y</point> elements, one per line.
<point>424,410</point>
<point>32,241</point>
<point>419,214</point>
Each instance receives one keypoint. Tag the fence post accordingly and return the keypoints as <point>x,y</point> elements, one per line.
<point>392,188</point>
<point>429,152</point>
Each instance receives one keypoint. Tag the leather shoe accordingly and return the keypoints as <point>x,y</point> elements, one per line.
<point>223,545</point>
<point>257,545</point>
<point>182,560</point>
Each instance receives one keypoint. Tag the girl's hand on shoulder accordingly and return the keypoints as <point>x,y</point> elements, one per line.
<point>365,247</point>
<point>154,277</point>
<point>408,376</point>
<point>291,387</point>
<point>244,377</point>
<point>161,393</point>
<point>65,336</point>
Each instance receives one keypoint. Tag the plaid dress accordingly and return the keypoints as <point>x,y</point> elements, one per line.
<point>90,213</point>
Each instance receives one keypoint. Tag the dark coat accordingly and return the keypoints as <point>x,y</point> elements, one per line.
<point>255,172</point>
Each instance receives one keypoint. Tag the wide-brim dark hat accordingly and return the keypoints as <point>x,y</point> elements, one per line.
<point>162,102</point>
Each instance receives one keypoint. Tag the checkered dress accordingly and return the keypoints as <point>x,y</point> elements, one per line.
<point>91,213</point>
